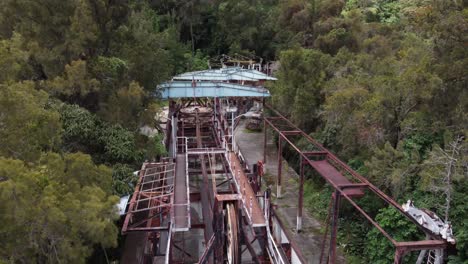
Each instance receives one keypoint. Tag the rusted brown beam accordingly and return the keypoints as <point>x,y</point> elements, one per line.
<point>348,169</point>
<point>205,193</point>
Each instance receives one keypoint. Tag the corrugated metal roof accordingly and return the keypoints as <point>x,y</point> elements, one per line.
<point>188,89</point>
<point>225,74</point>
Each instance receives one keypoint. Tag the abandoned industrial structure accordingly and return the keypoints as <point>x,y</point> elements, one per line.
<point>207,202</point>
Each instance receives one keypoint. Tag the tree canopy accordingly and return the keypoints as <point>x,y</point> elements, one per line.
<point>381,83</point>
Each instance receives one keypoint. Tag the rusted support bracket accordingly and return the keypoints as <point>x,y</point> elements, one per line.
<point>209,248</point>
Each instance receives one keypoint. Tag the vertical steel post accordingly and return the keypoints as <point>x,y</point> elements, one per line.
<point>301,197</point>
<point>280,166</point>
<point>334,229</point>
<point>264,141</point>
<point>399,254</point>
<point>232,130</point>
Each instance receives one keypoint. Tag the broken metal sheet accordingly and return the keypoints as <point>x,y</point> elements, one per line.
<point>430,221</point>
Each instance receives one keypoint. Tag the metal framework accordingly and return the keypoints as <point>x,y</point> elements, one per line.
<point>204,203</point>
<point>151,203</point>
<point>346,182</point>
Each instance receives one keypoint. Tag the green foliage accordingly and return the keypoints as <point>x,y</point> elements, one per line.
<point>76,83</point>
<point>357,73</point>
<point>197,62</point>
<point>123,180</point>
<point>27,125</point>
<point>107,143</point>
<point>392,169</point>
<point>110,71</point>
<point>459,210</point>
<point>80,128</point>
<point>147,50</point>
<point>379,249</point>
<point>241,27</point>
<point>55,210</point>
<point>299,88</point>
<point>119,145</point>
<point>124,106</point>
<point>156,148</point>
<point>13,59</point>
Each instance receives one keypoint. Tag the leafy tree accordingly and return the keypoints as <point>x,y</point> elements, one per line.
<point>156,148</point>
<point>241,27</point>
<point>56,210</point>
<point>107,143</point>
<point>377,248</point>
<point>27,125</point>
<point>124,106</point>
<point>119,145</point>
<point>75,85</point>
<point>53,43</point>
<point>146,49</point>
<point>111,72</point>
<point>393,169</point>
<point>80,129</point>
<point>123,180</point>
<point>298,91</point>
<point>13,59</point>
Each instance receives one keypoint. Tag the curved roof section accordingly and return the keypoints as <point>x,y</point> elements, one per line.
<point>225,74</point>
<point>186,89</point>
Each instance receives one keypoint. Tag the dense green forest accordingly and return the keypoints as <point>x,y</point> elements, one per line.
<point>383,83</point>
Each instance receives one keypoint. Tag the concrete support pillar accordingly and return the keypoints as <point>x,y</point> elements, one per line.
<point>334,227</point>
<point>264,141</point>
<point>301,197</point>
<point>280,167</point>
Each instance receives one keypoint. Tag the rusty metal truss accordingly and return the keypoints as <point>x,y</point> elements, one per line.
<point>347,185</point>
<point>150,205</point>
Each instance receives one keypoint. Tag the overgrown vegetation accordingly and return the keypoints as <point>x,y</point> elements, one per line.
<point>380,82</point>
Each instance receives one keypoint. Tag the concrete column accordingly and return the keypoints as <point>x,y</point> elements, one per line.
<point>334,228</point>
<point>280,166</point>
<point>301,197</point>
<point>265,138</point>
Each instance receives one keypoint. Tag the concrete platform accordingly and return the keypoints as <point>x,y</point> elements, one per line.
<point>310,239</point>
<point>249,199</point>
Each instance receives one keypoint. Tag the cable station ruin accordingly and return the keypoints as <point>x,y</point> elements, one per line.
<point>206,203</point>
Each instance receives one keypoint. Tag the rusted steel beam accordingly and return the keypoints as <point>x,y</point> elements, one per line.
<point>348,169</point>
<point>195,171</point>
<point>399,254</point>
<point>375,224</point>
<point>315,153</point>
<point>133,199</point>
<point>291,132</point>
<point>407,246</point>
<point>135,225</point>
<point>205,195</point>
<point>334,227</point>
<point>352,185</point>
<point>280,168</point>
<point>249,246</point>
<point>228,197</point>
<point>148,229</point>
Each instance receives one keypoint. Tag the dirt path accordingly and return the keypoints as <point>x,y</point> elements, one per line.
<point>310,238</point>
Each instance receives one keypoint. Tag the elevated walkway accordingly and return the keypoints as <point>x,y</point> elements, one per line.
<point>181,207</point>
<point>333,176</point>
<point>249,200</point>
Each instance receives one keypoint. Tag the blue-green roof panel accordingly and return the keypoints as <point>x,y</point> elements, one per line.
<point>187,89</point>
